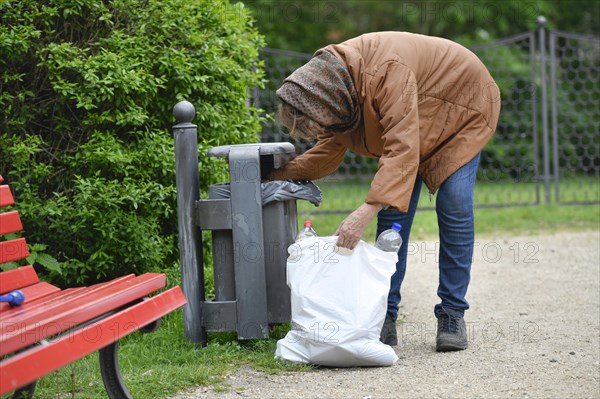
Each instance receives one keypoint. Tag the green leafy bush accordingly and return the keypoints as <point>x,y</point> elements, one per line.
<point>86,93</point>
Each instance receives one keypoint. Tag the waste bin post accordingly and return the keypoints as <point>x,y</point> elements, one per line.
<point>247,233</point>
<point>185,134</point>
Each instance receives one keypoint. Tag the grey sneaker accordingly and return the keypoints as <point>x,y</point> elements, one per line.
<point>451,331</point>
<point>389,335</point>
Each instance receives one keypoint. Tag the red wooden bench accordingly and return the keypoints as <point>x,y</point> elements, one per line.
<point>55,327</point>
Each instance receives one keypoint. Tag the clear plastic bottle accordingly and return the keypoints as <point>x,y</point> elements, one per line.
<point>390,240</point>
<point>307,232</point>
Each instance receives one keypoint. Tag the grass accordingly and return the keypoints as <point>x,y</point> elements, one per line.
<point>341,199</point>
<point>160,364</point>
<point>489,222</point>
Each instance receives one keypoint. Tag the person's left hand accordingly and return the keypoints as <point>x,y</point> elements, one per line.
<point>352,228</point>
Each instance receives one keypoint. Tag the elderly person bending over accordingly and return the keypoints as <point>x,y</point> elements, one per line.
<point>424,106</point>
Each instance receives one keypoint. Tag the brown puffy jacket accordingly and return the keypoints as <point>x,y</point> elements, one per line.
<point>428,107</point>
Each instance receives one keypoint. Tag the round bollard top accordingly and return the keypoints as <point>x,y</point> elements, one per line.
<point>184,112</point>
<point>541,20</point>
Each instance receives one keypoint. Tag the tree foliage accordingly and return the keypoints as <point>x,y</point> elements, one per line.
<point>308,25</point>
<point>86,93</point>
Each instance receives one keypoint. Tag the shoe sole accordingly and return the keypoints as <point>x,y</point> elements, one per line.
<point>448,347</point>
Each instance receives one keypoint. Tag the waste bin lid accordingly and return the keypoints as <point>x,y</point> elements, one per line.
<point>264,149</point>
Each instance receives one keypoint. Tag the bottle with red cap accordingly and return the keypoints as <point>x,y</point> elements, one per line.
<point>307,232</point>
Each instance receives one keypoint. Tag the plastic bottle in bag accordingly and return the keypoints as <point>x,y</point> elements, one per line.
<point>307,232</point>
<point>390,240</point>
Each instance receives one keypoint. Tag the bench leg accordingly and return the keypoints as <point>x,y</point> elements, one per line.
<point>25,392</point>
<point>109,366</point>
<point>150,328</point>
<point>111,375</point>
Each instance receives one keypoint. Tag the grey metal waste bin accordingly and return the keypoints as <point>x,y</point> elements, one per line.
<point>250,239</point>
<point>249,243</point>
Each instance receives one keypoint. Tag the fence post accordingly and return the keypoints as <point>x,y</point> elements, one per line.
<point>185,134</point>
<point>534,116</point>
<point>545,140</point>
<point>554,87</point>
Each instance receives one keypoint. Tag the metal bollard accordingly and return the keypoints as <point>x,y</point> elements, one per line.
<point>190,242</point>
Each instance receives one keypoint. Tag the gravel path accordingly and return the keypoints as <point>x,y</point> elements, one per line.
<point>534,332</point>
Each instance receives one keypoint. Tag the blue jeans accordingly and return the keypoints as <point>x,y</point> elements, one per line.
<point>454,207</point>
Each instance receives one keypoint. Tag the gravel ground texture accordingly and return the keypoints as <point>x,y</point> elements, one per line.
<point>534,331</point>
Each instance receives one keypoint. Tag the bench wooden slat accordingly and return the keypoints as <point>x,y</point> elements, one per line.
<point>20,332</point>
<point>31,310</point>
<point>32,293</point>
<point>17,278</point>
<point>13,250</point>
<point>6,197</point>
<point>10,222</point>
<point>54,303</point>
<point>28,366</point>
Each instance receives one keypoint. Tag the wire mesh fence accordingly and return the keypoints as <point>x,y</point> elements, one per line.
<point>515,166</point>
<point>575,110</point>
<point>508,171</point>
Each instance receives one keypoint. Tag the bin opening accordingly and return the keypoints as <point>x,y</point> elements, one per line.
<point>277,190</point>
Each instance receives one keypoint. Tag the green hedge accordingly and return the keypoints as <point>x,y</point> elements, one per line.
<point>86,93</point>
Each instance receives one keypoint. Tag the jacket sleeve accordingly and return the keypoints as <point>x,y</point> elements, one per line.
<point>395,95</point>
<point>320,161</point>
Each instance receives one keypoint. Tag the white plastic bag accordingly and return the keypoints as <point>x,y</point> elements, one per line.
<point>339,304</point>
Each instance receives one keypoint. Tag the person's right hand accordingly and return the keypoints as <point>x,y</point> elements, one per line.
<point>351,229</point>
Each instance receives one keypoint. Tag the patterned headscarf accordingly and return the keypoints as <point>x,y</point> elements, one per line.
<point>323,90</point>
